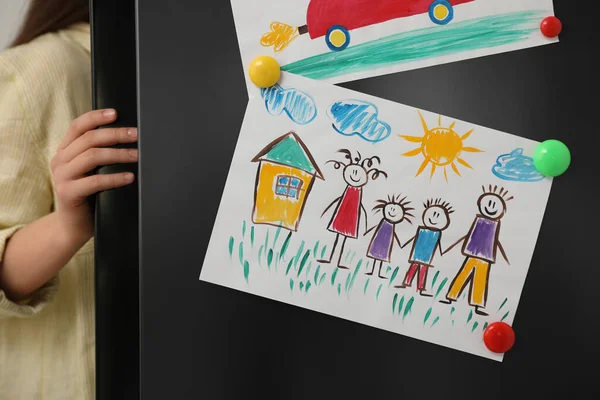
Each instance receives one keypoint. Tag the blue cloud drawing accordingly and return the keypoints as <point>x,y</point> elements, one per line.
<point>357,117</point>
<point>516,167</point>
<point>299,106</point>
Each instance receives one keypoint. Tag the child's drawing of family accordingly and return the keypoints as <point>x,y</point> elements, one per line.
<point>286,174</point>
<point>479,245</point>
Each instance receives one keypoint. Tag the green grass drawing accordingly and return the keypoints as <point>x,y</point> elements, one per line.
<point>299,253</point>
<point>246,270</point>
<point>316,248</point>
<point>269,258</point>
<point>304,277</point>
<point>285,245</point>
<point>400,305</point>
<point>277,232</point>
<point>241,253</point>
<point>289,266</point>
<point>231,244</point>
<point>322,278</point>
<point>427,315</point>
<point>437,273</point>
<point>303,262</point>
<point>441,287</point>
<point>503,303</point>
<point>408,307</point>
<point>393,276</point>
<point>333,276</point>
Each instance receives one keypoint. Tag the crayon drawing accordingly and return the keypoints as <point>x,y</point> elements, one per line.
<point>394,210</point>
<point>335,19</point>
<point>516,167</point>
<point>441,147</point>
<point>344,40</point>
<point>373,244</point>
<point>361,118</point>
<point>296,104</point>
<point>285,176</point>
<point>427,240</point>
<point>345,221</point>
<point>480,245</point>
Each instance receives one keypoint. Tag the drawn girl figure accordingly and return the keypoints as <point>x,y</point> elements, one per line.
<point>394,210</point>
<point>427,240</point>
<point>348,210</point>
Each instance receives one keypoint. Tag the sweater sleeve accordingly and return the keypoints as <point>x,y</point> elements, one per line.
<point>25,187</point>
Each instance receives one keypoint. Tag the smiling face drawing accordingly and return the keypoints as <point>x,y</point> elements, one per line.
<point>436,218</point>
<point>355,175</point>
<point>393,212</point>
<point>491,205</point>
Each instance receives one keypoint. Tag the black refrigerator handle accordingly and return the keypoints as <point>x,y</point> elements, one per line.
<point>116,211</point>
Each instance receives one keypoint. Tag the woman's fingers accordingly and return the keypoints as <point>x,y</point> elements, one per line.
<point>93,158</point>
<point>81,188</point>
<point>87,122</point>
<point>98,138</point>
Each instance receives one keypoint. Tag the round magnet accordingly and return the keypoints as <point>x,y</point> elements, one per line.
<point>499,337</point>
<point>551,27</point>
<point>264,71</point>
<point>552,158</point>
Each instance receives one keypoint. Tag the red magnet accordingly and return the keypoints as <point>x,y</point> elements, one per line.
<point>499,337</point>
<point>551,27</point>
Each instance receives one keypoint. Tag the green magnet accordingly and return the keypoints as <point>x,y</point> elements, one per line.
<point>552,158</point>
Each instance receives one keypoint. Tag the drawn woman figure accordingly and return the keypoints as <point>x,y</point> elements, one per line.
<point>346,217</point>
<point>394,210</point>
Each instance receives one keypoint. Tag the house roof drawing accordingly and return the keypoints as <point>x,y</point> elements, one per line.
<point>290,150</point>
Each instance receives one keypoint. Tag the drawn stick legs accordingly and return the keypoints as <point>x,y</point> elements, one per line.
<point>339,262</point>
<point>380,268</point>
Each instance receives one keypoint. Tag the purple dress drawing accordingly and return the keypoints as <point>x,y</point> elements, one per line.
<point>381,244</point>
<point>481,243</point>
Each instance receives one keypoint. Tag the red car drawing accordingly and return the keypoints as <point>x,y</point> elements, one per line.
<point>334,19</point>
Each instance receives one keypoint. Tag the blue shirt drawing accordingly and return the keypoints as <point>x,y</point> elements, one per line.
<point>425,245</point>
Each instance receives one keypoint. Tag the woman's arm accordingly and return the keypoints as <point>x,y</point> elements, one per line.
<point>35,253</point>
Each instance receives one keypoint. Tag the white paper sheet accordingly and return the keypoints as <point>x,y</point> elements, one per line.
<point>477,28</point>
<point>259,258</point>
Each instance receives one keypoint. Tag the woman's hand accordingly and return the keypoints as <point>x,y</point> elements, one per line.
<point>83,149</point>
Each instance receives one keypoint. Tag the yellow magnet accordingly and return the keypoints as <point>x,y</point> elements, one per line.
<point>264,71</point>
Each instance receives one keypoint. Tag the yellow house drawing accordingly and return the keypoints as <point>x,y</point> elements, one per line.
<point>286,173</point>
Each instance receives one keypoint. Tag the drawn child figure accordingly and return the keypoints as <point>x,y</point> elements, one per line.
<point>428,239</point>
<point>346,217</point>
<point>479,247</point>
<point>394,211</point>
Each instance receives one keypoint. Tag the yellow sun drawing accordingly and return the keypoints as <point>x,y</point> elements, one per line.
<point>441,147</point>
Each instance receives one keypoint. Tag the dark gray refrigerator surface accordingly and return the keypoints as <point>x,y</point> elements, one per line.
<point>199,340</point>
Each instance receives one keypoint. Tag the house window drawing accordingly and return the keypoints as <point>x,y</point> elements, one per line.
<point>284,178</point>
<point>288,186</point>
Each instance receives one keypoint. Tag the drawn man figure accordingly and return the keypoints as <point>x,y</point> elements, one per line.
<point>428,239</point>
<point>479,247</point>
